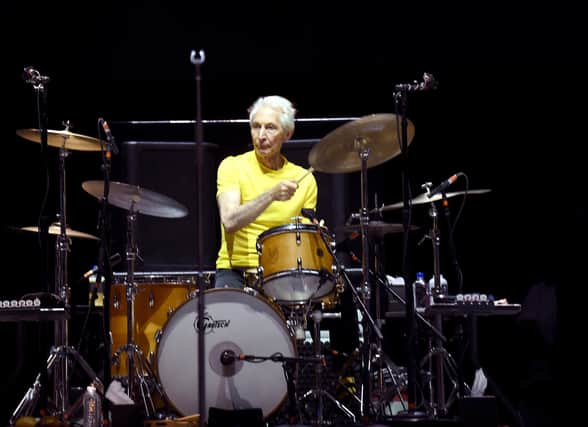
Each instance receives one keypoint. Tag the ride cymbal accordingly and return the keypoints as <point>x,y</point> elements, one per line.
<point>339,151</point>
<point>141,200</point>
<point>423,198</point>
<point>62,138</point>
<point>55,229</point>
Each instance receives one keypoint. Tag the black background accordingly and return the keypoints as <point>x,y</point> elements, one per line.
<point>509,112</point>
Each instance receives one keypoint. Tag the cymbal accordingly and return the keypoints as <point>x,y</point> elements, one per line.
<point>422,198</point>
<point>55,229</point>
<point>147,202</point>
<point>339,150</point>
<point>57,138</point>
<point>376,229</point>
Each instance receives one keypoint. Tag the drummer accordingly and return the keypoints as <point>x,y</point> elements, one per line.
<point>258,190</point>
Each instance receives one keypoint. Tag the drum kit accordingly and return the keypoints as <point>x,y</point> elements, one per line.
<point>299,275</point>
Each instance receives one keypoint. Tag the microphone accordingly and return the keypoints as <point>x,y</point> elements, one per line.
<point>108,133</point>
<point>228,357</point>
<point>30,75</point>
<point>308,213</point>
<point>428,83</point>
<point>444,185</point>
<point>114,260</point>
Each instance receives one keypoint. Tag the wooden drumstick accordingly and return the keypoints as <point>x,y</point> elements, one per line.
<point>308,172</point>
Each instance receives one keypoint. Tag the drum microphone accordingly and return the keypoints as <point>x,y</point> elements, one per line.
<point>228,357</point>
<point>108,133</point>
<point>308,213</point>
<point>444,185</point>
<point>114,260</point>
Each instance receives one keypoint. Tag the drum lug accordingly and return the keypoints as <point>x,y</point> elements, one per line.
<point>259,247</point>
<point>299,262</point>
<point>151,300</point>
<point>157,336</point>
<point>116,302</point>
<point>334,269</point>
<point>298,240</point>
<point>260,274</point>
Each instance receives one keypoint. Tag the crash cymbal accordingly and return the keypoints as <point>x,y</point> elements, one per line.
<point>55,229</point>
<point>422,198</point>
<point>376,229</point>
<point>339,151</point>
<point>143,201</point>
<point>57,138</point>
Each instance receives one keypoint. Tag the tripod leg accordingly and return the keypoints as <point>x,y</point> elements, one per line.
<point>339,405</point>
<point>87,368</point>
<point>28,402</point>
<point>139,371</point>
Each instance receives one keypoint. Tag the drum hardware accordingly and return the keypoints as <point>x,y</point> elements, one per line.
<point>318,393</point>
<point>140,376</point>
<point>438,359</point>
<point>435,332</point>
<point>59,361</point>
<point>355,146</point>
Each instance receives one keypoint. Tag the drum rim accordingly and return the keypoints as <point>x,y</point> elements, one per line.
<point>304,227</point>
<point>272,304</point>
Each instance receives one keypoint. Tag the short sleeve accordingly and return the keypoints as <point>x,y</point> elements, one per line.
<point>227,177</point>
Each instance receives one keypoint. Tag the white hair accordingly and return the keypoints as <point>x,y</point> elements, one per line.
<point>278,103</point>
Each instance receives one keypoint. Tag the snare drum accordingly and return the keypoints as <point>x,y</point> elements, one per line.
<point>156,298</point>
<point>295,264</point>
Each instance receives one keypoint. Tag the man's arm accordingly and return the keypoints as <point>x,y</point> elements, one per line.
<point>234,215</point>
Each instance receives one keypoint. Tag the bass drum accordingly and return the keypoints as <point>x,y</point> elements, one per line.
<point>235,322</point>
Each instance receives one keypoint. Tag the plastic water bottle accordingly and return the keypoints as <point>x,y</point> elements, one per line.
<point>92,407</point>
<point>420,290</point>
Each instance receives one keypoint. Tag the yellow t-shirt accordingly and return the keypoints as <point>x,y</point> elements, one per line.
<point>245,174</point>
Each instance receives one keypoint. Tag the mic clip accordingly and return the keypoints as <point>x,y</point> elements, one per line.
<point>35,78</point>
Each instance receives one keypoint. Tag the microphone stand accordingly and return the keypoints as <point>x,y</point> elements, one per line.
<point>400,98</point>
<point>104,259</point>
<point>31,398</point>
<point>198,60</point>
<point>458,277</point>
<point>401,102</point>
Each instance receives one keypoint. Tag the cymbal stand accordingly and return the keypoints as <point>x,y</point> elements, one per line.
<point>138,367</point>
<point>58,361</point>
<point>436,351</point>
<point>379,359</point>
<point>318,392</point>
<point>361,145</point>
<point>368,325</point>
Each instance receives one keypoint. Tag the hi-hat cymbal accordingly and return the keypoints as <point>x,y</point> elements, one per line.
<point>339,151</point>
<point>422,198</point>
<point>376,229</point>
<point>55,229</point>
<point>141,200</point>
<point>62,138</point>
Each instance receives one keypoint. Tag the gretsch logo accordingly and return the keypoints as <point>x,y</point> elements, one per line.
<point>209,324</point>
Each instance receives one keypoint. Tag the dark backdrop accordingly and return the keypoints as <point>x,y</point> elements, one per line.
<point>509,112</point>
